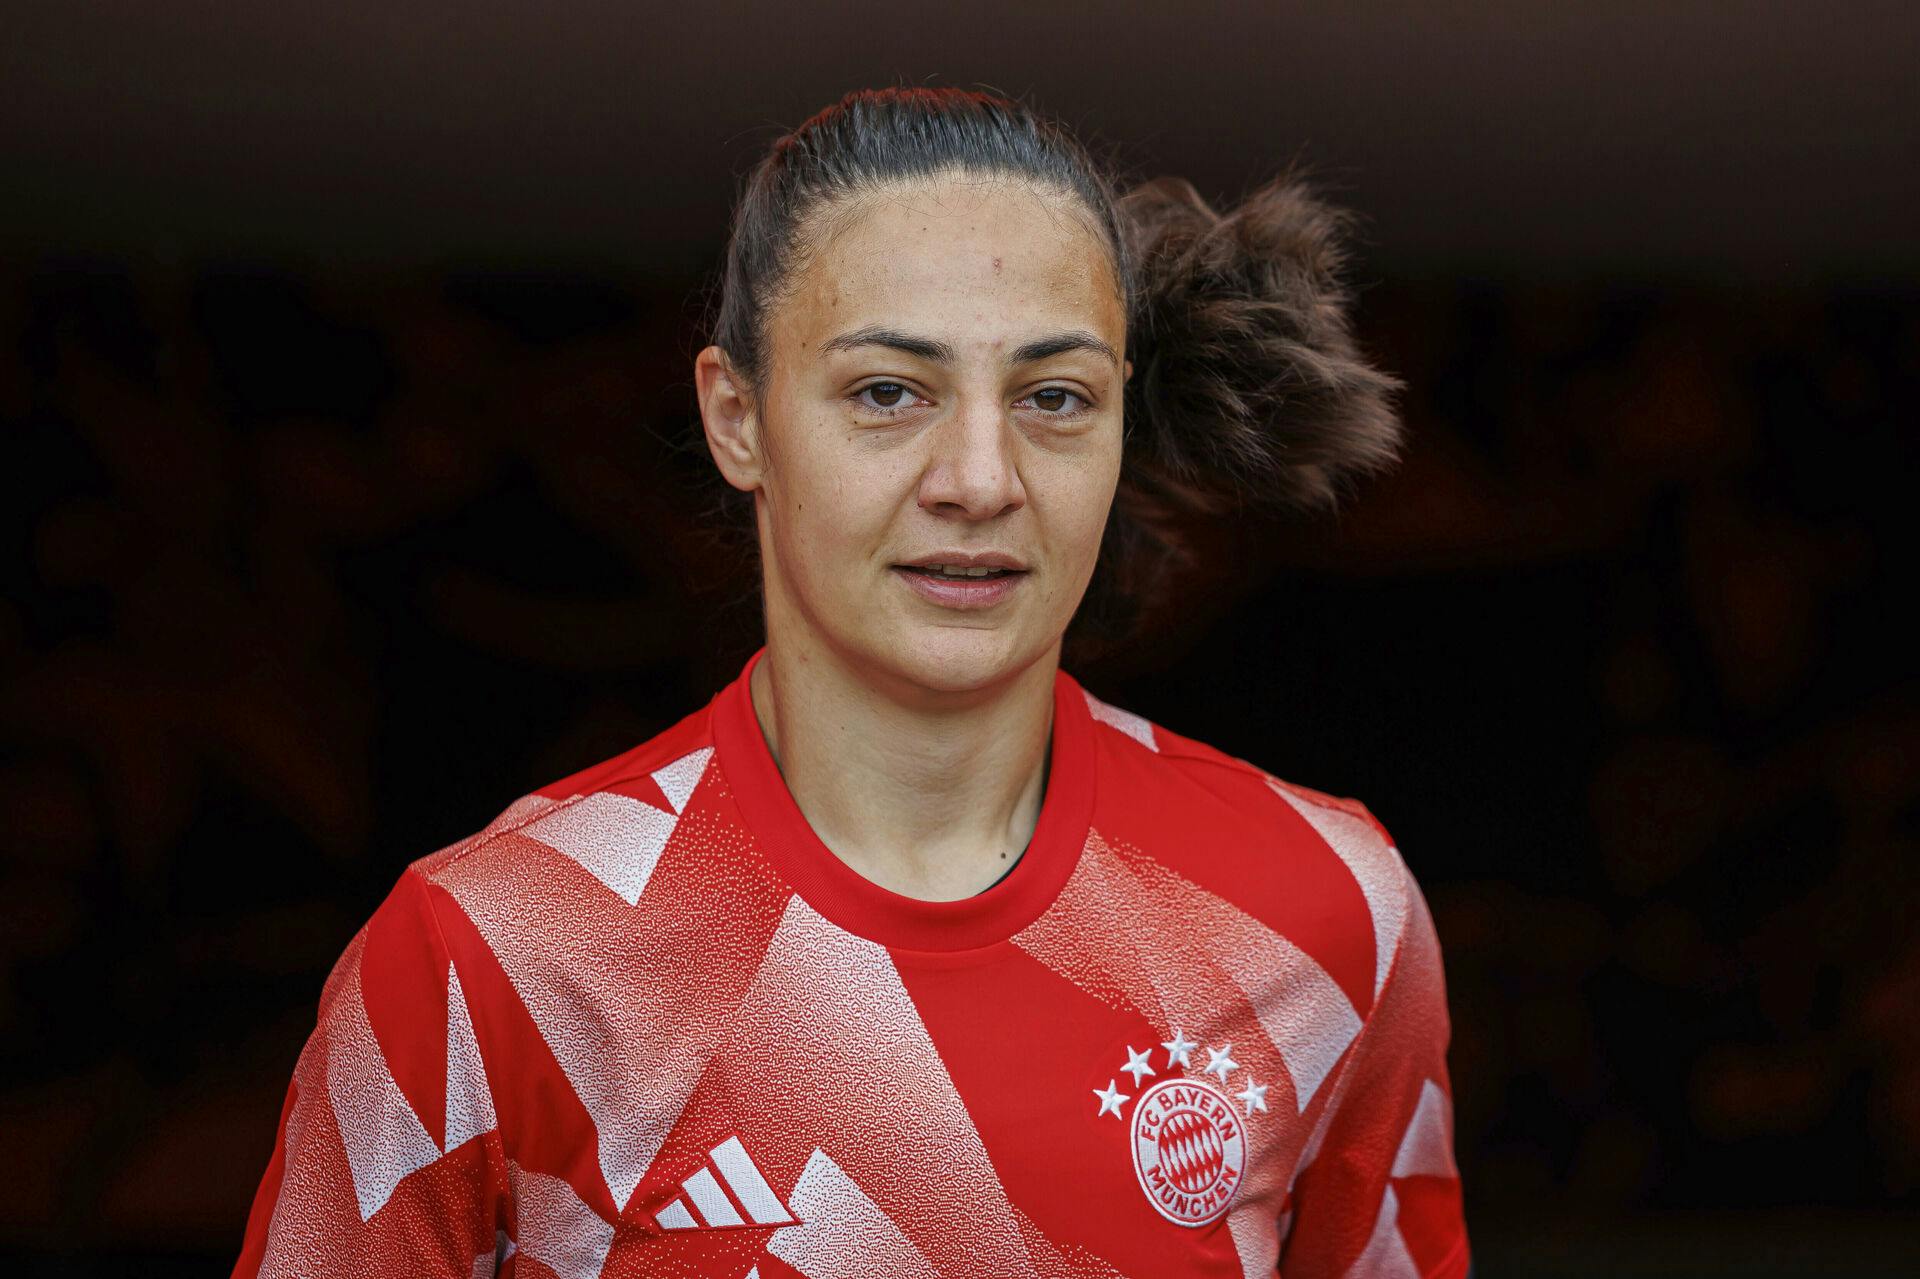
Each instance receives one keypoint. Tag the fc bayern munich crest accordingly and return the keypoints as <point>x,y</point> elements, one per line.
<point>1189,1150</point>
<point>1186,1135</point>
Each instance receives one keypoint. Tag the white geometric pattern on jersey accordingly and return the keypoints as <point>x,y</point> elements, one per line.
<point>469,1099</point>
<point>595,992</point>
<point>1427,1148</point>
<point>1311,1151</point>
<point>844,1234</point>
<point>1255,1239</point>
<point>556,1229</point>
<point>596,1006</point>
<point>617,838</point>
<point>678,779</point>
<point>1303,1010</point>
<point>1385,1256</point>
<point>828,1022</point>
<point>384,1139</point>
<point>1102,935</point>
<point>292,1231</point>
<point>1373,863</point>
<point>1138,727</point>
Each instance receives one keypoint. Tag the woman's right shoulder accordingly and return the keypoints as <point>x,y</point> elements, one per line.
<point>621,800</point>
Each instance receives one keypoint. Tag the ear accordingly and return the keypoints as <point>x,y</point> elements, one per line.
<point>727,412</point>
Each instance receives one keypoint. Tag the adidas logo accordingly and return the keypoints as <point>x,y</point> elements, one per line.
<point>738,1196</point>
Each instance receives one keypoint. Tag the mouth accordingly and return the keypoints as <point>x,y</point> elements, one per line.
<point>958,572</point>
<point>982,584</point>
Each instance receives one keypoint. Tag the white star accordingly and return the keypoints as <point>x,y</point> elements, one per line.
<point>1110,1099</point>
<point>1218,1063</point>
<point>1179,1051</point>
<point>1255,1095</point>
<point>1137,1065</point>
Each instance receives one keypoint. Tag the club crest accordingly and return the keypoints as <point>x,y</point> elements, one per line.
<point>1189,1150</point>
<point>1186,1135</point>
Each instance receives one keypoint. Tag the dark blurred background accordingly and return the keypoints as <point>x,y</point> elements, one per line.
<point>345,390</point>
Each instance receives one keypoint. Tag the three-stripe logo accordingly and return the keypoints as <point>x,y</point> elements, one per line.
<point>737,1196</point>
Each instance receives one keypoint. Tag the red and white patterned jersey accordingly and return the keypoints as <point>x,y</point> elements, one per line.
<point>646,1023</point>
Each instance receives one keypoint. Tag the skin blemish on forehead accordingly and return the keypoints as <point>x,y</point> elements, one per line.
<point>996,266</point>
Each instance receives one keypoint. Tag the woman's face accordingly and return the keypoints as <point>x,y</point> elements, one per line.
<point>942,386</point>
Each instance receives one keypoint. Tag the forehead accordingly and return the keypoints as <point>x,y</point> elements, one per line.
<point>967,259</point>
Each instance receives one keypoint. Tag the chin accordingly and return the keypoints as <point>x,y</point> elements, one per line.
<point>952,659</point>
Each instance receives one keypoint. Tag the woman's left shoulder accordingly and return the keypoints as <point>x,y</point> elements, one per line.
<point>1210,785</point>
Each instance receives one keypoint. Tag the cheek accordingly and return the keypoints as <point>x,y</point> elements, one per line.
<point>1077,499</point>
<point>830,501</point>
<point>1097,481</point>
<point>812,500</point>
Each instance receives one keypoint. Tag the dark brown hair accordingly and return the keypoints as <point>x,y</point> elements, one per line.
<point>1248,391</point>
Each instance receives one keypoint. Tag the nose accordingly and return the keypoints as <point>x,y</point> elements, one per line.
<point>971,471</point>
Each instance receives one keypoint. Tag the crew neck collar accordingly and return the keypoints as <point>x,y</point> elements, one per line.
<point>859,905</point>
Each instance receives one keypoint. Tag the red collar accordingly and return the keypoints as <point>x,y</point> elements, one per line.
<point>861,906</point>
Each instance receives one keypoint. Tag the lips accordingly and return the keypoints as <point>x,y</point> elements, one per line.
<point>963,581</point>
<point>964,563</point>
<point>959,572</point>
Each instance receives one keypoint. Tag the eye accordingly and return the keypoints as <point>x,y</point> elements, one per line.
<point>1057,400</point>
<point>884,396</point>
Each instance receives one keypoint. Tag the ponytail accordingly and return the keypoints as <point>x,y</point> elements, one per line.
<point>1249,395</point>
<point>1248,389</point>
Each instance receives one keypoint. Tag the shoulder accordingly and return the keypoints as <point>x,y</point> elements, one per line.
<point>605,817</point>
<point>1177,760</point>
<point>1173,761</point>
<point>1315,866</point>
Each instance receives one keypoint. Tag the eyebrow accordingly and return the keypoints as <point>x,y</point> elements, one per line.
<point>941,353</point>
<point>893,339</point>
<point>1060,344</point>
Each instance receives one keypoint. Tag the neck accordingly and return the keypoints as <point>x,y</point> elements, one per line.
<point>930,794</point>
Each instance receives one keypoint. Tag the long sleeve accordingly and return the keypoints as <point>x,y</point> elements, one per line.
<point>1379,1196</point>
<point>388,1159</point>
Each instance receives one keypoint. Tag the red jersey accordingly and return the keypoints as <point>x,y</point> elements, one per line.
<point>646,1023</point>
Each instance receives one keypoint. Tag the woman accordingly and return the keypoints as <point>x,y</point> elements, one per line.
<point>905,955</point>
